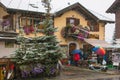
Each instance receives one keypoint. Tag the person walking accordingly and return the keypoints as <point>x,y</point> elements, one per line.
<point>76,58</point>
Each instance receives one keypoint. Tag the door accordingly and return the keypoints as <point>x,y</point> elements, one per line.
<point>72,46</point>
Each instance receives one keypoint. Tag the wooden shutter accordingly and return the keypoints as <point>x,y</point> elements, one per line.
<point>77,22</point>
<point>96,27</point>
<point>67,21</point>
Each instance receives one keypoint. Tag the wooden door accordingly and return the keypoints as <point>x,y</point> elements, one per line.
<point>72,46</point>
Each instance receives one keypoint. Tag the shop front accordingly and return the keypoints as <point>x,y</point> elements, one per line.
<point>4,67</point>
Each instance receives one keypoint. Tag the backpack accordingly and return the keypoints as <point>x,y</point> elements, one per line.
<point>76,57</point>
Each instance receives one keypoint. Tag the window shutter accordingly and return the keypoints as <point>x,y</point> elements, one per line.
<point>67,21</point>
<point>77,22</point>
<point>96,27</point>
<point>88,23</point>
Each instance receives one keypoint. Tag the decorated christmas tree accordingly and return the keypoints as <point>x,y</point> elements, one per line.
<point>41,52</point>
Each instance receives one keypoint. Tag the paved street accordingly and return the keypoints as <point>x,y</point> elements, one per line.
<point>75,73</point>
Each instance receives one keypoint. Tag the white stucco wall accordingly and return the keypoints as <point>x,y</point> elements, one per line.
<point>6,51</point>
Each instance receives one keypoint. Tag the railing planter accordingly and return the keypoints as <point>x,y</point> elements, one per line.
<point>75,32</point>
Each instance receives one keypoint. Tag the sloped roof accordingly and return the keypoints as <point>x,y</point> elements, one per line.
<point>23,5</point>
<point>36,6</point>
<point>86,12</point>
<point>101,17</point>
<point>114,7</point>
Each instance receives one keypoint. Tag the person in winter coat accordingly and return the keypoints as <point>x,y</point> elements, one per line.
<point>76,58</point>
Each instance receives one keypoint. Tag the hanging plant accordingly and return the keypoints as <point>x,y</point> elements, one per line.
<point>26,30</point>
<point>5,23</point>
<point>75,32</point>
<point>73,29</point>
<point>31,28</point>
<point>80,36</point>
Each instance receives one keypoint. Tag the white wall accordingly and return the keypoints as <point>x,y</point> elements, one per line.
<point>109,32</point>
<point>6,51</point>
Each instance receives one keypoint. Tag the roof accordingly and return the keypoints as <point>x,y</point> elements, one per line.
<point>102,17</point>
<point>21,5</point>
<point>86,12</point>
<point>114,7</point>
<point>37,6</point>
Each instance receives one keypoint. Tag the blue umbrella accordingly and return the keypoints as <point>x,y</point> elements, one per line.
<point>95,49</point>
<point>77,51</point>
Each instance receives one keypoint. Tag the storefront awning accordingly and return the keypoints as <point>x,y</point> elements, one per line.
<point>96,42</point>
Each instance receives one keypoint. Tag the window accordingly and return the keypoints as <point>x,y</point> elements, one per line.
<point>93,26</point>
<point>9,44</point>
<point>72,21</point>
<point>29,21</point>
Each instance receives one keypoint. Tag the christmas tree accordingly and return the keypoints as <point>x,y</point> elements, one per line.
<point>42,50</point>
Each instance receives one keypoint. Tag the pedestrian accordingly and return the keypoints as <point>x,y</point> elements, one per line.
<point>76,58</point>
<point>99,59</point>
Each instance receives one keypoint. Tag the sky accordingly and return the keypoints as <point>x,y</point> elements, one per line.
<point>99,6</point>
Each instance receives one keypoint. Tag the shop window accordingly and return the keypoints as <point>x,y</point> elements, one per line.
<point>72,21</point>
<point>9,44</point>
